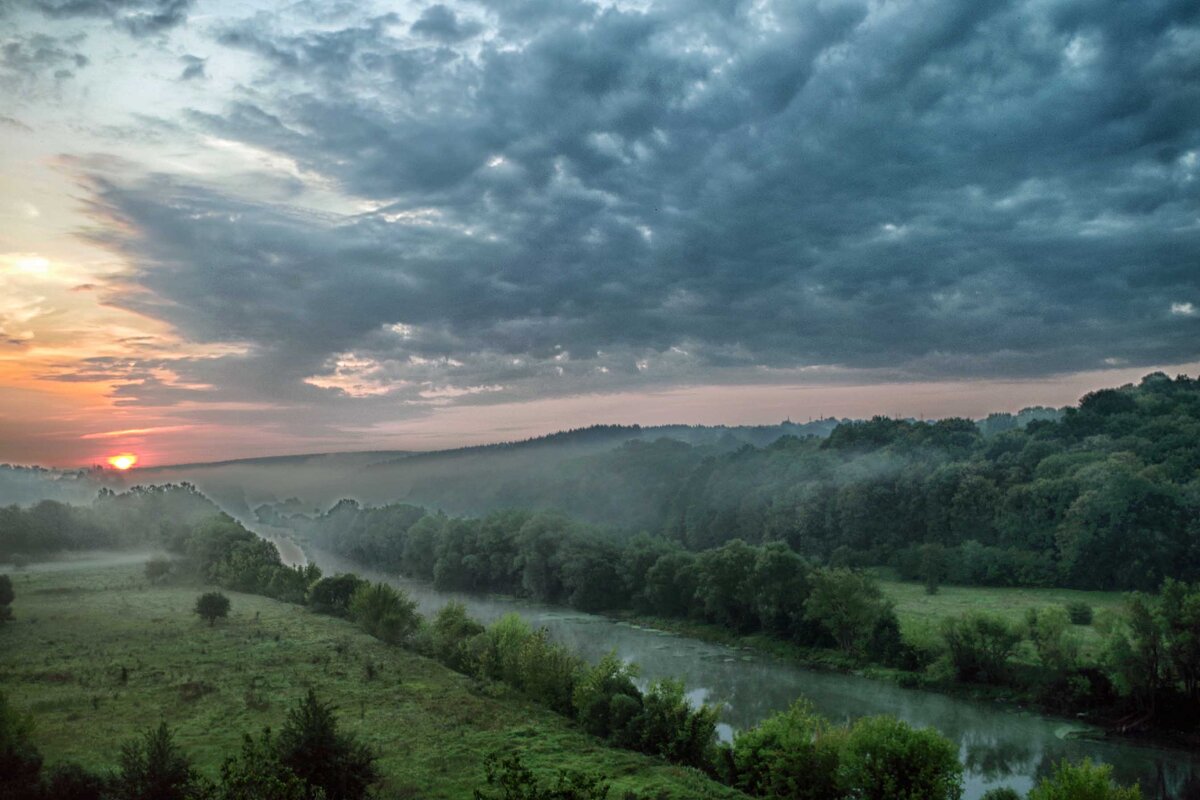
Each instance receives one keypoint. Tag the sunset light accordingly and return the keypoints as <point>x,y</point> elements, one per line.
<point>123,461</point>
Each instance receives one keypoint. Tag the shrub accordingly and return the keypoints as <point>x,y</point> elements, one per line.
<point>20,761</point>
<point>512,780</point>
<point>157,569</point>
<point>332,595</point>
<point>1056,647</point>
<point>668,726</point>
<point>386,613</point>
<point>73,782</point>
<point>450,634</point>
<point>886,759</point>
<point>335,763</point>
<point>155,768</point>
<point>257,773</point>
<point>1083,781</point>
<point>6,597</point>
<point>212,606</point>
<point>1079,612</point>
<point>606,697</point>
<point>792,754</point>
<point>980,646</point>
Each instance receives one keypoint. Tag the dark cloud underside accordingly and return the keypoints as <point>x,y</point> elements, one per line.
<point>574,198</point>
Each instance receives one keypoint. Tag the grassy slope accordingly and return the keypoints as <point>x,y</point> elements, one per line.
<point>62,657</point>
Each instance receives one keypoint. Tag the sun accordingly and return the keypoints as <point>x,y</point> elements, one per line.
<point>123,461</point>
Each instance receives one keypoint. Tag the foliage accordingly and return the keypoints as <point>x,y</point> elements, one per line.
<point>509,779</point>
<point>980,646</point>
<point>6,597</point>
<point>212,606</point>
<point>886,759</point>
<point>1080,613</point>
<point>332,595</point>
<point>385,612</point>
<point>154,768</point>
<point>793,754</point>
<point>848,604</point>
<point>1082,781</point>
<point>257,773</point>
<point>20,761</point>
<point>327,760</point>
<point>1049,631</point>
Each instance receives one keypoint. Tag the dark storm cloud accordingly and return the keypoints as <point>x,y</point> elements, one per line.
<point>439,22</point>
<point>585,198</point>
<point>137,17</point>
<point>193,68</point>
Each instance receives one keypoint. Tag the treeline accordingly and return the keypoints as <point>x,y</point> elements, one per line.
<point>1102,496</point>
<point>142,516</point>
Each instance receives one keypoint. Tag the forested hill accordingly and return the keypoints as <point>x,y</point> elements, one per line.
<point>1107,495</point>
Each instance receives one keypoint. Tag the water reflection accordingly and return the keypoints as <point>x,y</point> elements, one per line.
<point>998,747</point>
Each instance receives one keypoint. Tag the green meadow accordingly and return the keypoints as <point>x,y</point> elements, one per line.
<point>98,655</point>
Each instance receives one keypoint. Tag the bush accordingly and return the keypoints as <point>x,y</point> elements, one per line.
<point>980,646</point>
<point>157,569</point>
<point>1082,781</point>
<point>606,698</point>
<point>792,754</point>
<point>20,761</point>
<point>212,606</point>
<point>6,597</point>
<point>1079,612</point>
<point>73,782</point>
<point>384,612</point>
<point>886,759</point>
<point>332,595</point>
<point>154,768</point>
<point>450,635</point>
<point>257,773</point>
<point>512,780</point>
<point>335,763</point>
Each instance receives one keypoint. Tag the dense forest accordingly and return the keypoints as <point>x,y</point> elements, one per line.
<point>1104,496</point>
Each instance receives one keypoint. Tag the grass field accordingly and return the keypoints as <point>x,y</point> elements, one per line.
<point>916,609</point>
<point>98,656</point>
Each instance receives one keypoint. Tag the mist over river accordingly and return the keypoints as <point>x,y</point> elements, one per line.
<point>998,746</point>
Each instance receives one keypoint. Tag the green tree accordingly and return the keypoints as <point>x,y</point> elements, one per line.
<point>1049,631</point>
<point>1082,781</point>
<point>332,595</point>
<point>886,759</point>
<point>20,761</point>
<point>155,768</point>
<point>385,612</point>
<point>6,597</point>
<point>980,646</point>
<point>847,604</point>
<point>792,755</point>
<point>212,606</point>
<point>157,569</point>
<point>606,697</point>
<point>327,760</point>
<point>451,631</point>
<point>257,773</point>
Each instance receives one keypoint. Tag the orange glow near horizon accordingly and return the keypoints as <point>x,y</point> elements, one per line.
<point>122,461</point>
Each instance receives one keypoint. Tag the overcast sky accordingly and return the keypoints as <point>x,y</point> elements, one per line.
<point>238,228</point>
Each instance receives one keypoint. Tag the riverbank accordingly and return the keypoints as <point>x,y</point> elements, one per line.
<point>97,654</point>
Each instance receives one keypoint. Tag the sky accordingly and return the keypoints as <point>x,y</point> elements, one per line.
<point>231,229</point>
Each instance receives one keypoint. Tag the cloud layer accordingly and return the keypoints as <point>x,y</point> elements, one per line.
<point>553,198</point>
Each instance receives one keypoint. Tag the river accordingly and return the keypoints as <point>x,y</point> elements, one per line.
<point>998,746</point>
